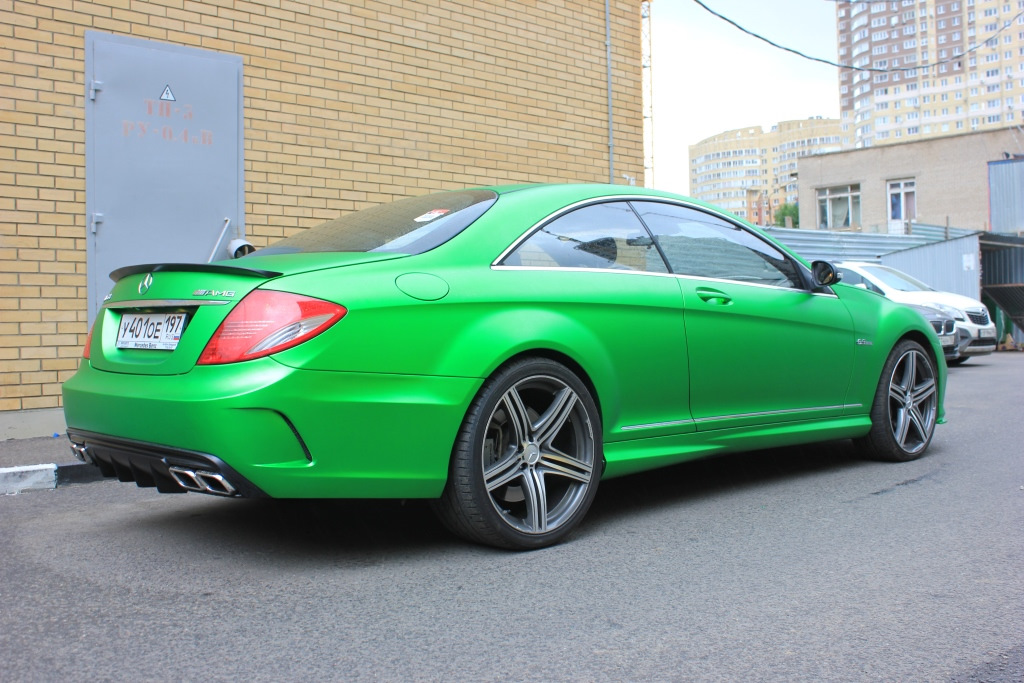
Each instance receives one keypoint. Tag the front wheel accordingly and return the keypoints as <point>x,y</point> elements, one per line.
<point>527,460</point>
<point>905,406</point>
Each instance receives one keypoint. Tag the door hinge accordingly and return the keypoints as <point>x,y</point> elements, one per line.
<point>94,220</point>
<point>94,87</point>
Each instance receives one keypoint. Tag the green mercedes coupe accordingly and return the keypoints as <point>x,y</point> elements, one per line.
<point>498,350</point>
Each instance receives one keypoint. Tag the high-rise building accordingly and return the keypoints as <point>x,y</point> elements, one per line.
<point>928,68</point>
<point>751,172</point>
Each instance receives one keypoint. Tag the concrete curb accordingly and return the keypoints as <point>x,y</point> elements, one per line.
<point>45,477</point>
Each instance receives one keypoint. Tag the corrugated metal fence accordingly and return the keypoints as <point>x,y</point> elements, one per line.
<point>949,266</point>
<point>860,246</point>
<point>1006,196</point>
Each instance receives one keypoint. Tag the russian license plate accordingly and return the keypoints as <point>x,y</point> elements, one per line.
<point>150,330</point>
<point>987,334</point>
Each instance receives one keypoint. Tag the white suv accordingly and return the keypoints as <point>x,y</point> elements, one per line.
<point>976,333</point>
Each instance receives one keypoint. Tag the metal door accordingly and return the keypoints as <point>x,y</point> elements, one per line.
<point>164,155</point>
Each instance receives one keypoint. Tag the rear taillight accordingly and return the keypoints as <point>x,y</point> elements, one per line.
<point>88,342</point>
<point>265,322</point>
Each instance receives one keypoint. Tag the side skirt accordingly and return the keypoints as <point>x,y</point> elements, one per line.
<point>637,455</point>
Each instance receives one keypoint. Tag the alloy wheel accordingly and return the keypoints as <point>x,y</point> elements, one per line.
<point>538,455</point>
<point>912,401</point>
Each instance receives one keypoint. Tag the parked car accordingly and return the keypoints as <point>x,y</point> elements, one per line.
<point>945,328</point>
<point>976,332</point>
<point>498,350</point>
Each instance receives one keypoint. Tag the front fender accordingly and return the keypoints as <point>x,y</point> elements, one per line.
<point>881,325</point>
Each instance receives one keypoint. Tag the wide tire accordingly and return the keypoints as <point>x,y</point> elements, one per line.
<point>527,460</point>
<point>905,406</point>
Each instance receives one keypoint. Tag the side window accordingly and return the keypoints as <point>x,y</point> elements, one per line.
<point>852,278</point>
<point>702,245</point>
<point>607,236</point>
<point>857,280</point>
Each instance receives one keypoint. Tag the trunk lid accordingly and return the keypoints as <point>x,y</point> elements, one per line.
<point>158,318</point>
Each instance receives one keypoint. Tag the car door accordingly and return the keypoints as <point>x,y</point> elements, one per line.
<point>606,289</point>
<point>762,347</point>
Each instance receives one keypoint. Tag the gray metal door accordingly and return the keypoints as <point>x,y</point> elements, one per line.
<point>164,155</point>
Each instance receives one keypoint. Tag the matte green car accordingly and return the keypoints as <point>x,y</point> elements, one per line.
<point>498,350</point>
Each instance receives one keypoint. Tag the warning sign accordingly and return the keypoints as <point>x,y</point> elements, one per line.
<point>167,94</point>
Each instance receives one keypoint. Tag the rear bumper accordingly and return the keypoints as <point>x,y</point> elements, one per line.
<point>268,429</point>
<point>170,470</point>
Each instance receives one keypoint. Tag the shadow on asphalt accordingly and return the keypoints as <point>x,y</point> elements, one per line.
<point>717,475</point>
<point>308,529</point>
<point>972,364</point>
<point>326,528</point>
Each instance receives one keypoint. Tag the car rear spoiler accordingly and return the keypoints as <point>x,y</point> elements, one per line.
<point>191,268</point>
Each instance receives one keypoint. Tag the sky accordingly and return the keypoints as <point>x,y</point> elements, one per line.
<point>709,77</point>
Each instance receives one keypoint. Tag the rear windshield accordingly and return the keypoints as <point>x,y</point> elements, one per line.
<point>408,226</point>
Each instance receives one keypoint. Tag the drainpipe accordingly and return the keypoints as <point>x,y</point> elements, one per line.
<point>611,116</point>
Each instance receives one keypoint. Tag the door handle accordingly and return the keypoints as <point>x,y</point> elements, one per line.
<point>713,296</point>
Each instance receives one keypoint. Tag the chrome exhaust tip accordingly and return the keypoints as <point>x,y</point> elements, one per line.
<point>202,482</point>
<point>81,452</point>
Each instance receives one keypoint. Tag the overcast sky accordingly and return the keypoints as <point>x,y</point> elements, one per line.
<point>710,77</point>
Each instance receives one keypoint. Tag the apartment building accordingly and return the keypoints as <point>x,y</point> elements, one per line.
<point>929,68</point>
<point>750,172</point>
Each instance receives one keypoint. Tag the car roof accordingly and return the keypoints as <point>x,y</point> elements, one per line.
<point>582,191</point>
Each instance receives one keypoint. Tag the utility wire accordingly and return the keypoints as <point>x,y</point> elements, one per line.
<point>861,68</point>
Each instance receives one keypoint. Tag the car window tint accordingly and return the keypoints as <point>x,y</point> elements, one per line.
<point>407,226</point>
<point>702,245</point>
<point>857,280</point>
<point>896,279</point>
<point>597,236</point>
<point>850,278</point>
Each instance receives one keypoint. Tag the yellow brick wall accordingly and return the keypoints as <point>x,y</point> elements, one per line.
<point>347,104</point>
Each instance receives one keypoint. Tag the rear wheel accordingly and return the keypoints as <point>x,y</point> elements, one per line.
<point>905,406</point>
<point>526,463</point>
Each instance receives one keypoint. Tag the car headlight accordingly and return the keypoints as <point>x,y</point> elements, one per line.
<point>952,312</point>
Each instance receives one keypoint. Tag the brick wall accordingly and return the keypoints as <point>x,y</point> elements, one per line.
<point>347,104</point>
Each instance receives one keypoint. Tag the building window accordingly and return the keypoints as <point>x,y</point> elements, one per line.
<point>839,207</point>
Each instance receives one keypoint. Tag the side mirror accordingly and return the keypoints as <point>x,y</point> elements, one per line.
<point>825,274</point>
